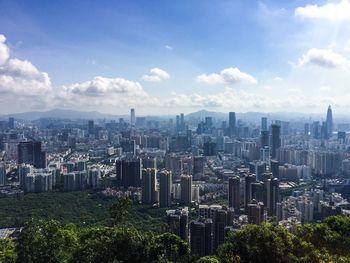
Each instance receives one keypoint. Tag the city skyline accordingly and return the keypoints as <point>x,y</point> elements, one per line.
<point>278,57</point>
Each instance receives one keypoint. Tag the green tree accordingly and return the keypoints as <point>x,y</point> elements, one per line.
<point>47,242</point>
<point>257,243</point>
<point>169,247</point>
<point>7,251</point>
<point>112,244</point>
<point>120,209</point>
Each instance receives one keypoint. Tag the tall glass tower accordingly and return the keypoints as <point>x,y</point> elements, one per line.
<point>329,121</point>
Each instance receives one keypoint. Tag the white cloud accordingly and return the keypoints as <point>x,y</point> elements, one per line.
<point>248,101</point>
<point>30,88</point>
<point>227,99</point>
<point>332,11</point>
<point>156,75</point>
<point>101,86</point>
<point>102,92</point>
<point>227,76</point>
<point>22,78</point>
<point>169,47</point>
<point>323,58</point>
<point>4,50</point>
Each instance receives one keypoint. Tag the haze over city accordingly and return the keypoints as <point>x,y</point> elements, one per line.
<point>162,57</point>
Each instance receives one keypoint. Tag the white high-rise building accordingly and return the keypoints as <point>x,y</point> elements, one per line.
<point>132,117</point>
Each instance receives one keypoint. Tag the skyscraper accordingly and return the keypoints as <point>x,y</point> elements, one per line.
<point>11,123</point>
<point>202,237</point>
<point>91,127</point>
<point>165,183</point>
<point>220,222</point>
<point>186,189</point>
<point>149,192</point>
<point>249,179</point>
<point>30,152</point>
<point>234,193</point>
<point>255,212</point>
<point>263,124</point>
<point>178,222</point>
<point>132,117</point>
<point>272,195</point>
<point>177,127</point>
<point>232,123</point>
<point>198,164</point>
<point>2,174</point>
<point>182,122</point>
<point>264,139</point>
<point>275,139</point>
<point>129,172</point>
<point>329,121</point>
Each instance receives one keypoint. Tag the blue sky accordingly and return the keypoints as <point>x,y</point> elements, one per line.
<point>172,56</point>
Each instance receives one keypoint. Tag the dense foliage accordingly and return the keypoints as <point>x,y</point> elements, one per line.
<point>82,208</point>
<point>126,234</point>
<point>322,242</point>
<point>50,242</point>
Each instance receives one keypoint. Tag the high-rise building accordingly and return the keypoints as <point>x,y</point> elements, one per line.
<point>234,198</point>
<point>275,139</point>
<point>30,152</point>
<point>186,189</point>
<point>274,168</point>
<point>69,181</point>
<point>38,180</point>
<point>329,121</point>
<point>201,235</point>
<point>149,181</point>
<point>182,121</point>
<point>174,164</point>
<point>91,127</point>
<point>129,172</point>
<point>257,168</point>
<point>132,117</point>
<point>264,124</point>
<point>255,212</point>
<point>177,127</point>
<point>273,194</point>
<point>94,176</point>
<point>23,171</point>
<point>257,190</point>
<point>264,139</point>
<point>81,165</point>
<point>2,174</point>
<point>11,123</point>
<point>210,148</point>
<point>198,164</point>
<point>249,179</point>
<point>232,123</point>
<point>306,129</point>
<point>178,222</point>
<point>165,184</point>
<point>220,222</point>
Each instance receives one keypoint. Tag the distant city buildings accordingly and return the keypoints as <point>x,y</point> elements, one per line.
<point>212,172</point>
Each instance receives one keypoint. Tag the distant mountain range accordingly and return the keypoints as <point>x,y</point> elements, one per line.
<point>256,116</point>
<point>247,116</point>
<point>61,114</point>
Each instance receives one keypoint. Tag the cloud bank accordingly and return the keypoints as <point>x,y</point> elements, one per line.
<point>229,76</point>
<point>335,12</point>
<point>156,75</point>
<point>323,58</point>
